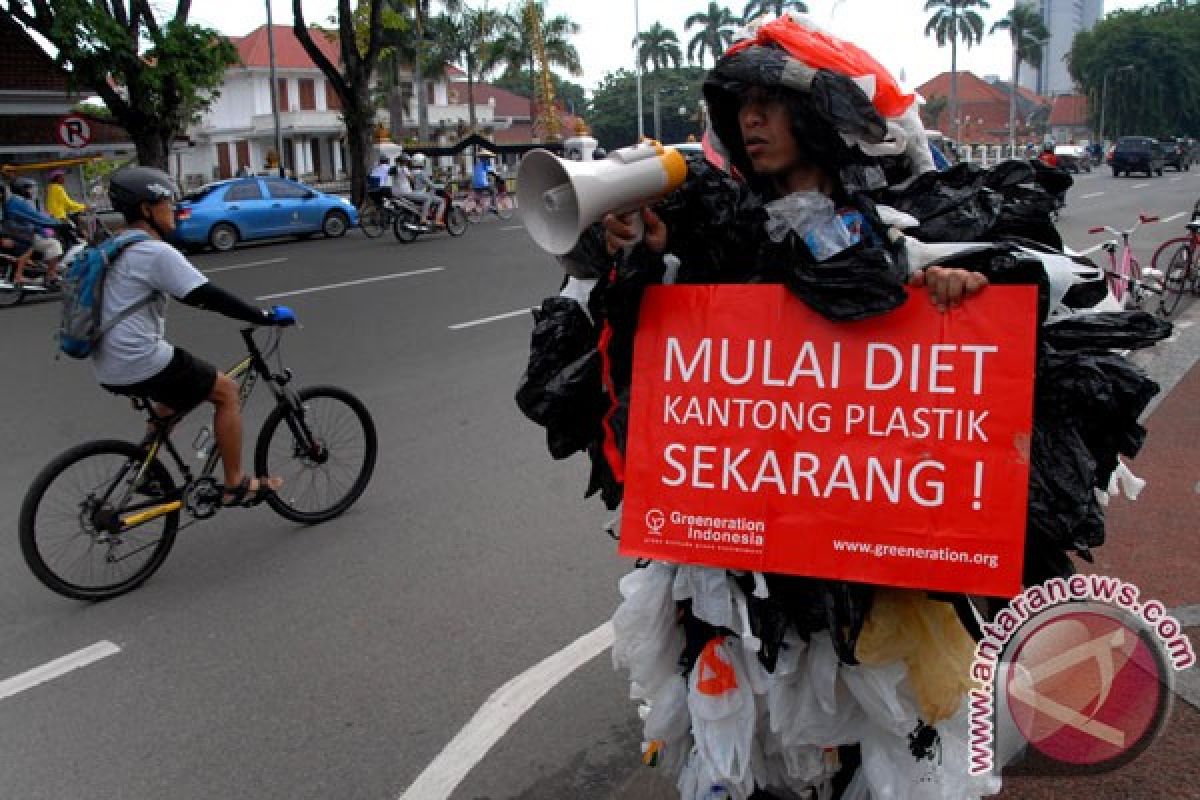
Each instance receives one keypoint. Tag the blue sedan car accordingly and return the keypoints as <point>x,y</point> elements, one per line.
<point>224,213</point>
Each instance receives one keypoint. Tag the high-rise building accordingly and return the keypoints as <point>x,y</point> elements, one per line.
<point>1064,19</point>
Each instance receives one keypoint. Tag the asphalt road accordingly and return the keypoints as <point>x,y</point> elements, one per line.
<point>270,661</point>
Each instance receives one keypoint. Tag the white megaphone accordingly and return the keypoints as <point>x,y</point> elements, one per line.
<point>559,199</point>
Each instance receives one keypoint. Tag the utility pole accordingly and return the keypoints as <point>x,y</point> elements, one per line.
<point>638,32</point>
<point>274,90</point>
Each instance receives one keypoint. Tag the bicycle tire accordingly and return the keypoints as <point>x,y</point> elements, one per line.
<point>1169,244</point>
<point>49,563</point>
<point>324,421</point>
<point>504,207</point>
<point>1175,279</point>
<point>473,209</point>
<point>456,221</point>
<point>371,219</point>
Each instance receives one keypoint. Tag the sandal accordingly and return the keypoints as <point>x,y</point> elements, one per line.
<point>242,496</point>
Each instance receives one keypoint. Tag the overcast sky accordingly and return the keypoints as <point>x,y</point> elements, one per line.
<point>891,30</point>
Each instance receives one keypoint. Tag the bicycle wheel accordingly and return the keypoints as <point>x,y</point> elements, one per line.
<point>317,487</point>
<point>1175,279</point>
<point>473,209</point>
<point>456,221</point>
<point>371,219</point>
<point>504,206</point>
<point>1159,260</point>
<point>62,528</point>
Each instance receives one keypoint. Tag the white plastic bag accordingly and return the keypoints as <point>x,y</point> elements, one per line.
<point>710,591</point>
<point>647,638</point>
<point>723,714</point>
<point>882,693</point>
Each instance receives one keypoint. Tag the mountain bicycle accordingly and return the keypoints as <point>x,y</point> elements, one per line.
<point>1176,259</point>
<point>101,518</point>
<point>480,201</point>
<point>1127,282</point>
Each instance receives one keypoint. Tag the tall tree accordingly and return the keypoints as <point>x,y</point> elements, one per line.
<point>953,20</point>
<point>931,110</point>
<point>351,79</point>
<point>154,76</point>
<point>465,38</point>
<point>1028,33</point>
<point>512,49</point>
<point>756,8</point>
<point>1151,59</point>
<point>658,47</point>
<point>716,24</point>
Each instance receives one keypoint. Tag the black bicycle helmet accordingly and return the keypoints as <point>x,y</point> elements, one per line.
<point>129,187</point>
<point>24,187</point>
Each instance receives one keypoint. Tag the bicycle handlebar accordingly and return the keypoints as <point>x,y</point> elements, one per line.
<point>1143,219</point>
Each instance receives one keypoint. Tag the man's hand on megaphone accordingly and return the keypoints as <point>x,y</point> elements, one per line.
<point>622,230</point>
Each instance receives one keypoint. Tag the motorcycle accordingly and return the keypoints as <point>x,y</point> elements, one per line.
<point>34,282</point>
<point>406,220</point>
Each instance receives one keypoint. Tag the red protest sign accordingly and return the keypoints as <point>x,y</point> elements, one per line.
<point>893,450</point>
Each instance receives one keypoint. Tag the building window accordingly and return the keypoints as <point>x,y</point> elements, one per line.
<point>282,92</point>
<point>308,94</point>
<point>332,101</point>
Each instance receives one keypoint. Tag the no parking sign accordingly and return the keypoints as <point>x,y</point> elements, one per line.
<point>74,132</point>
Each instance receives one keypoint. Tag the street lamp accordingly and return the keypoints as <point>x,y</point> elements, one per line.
<point>1104,94</point>
<point>274,90</point>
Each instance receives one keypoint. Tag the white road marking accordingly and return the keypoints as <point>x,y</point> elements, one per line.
<point>506,705</point>
<point>513,228</point>
<point>247,265</point>
<point>344,284</point>
<point>1176,178</point>
<point>1173,217</point>
<point>1139,186</point>
<point>56,668</point>
<point>1091,195</point>
<point>459,326</point>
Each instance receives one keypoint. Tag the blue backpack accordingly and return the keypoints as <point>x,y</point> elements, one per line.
<point>83,295</point>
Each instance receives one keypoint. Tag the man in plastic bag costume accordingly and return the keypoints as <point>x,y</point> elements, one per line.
<point>781,686</point>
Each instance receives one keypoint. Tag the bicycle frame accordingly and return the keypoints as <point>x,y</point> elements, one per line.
<point>246,373</point>
<point>1125,277</point>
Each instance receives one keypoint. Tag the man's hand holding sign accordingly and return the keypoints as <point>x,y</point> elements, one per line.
<point>890,451</point>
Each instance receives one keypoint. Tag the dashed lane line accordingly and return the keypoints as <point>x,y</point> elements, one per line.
<point>1090,195</point>
<point>344,284</point>
<point>513,228</point>
<point>1140,185</point>
<point>247,265</point>
<point>1173,217</point>
<point>56,668</point>
<point>503,709</point>
<point>507,315</point>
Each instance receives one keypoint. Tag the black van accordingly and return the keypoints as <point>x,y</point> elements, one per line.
<point>1138,154</point>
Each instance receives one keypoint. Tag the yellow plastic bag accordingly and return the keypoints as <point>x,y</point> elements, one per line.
<point>926,634</point>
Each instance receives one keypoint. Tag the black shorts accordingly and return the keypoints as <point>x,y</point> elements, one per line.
<point>181,386</point>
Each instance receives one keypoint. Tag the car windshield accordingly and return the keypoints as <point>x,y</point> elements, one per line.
<point>196,195</point>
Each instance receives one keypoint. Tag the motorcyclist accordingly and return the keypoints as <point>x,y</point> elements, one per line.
<point>58,203</point>
<point>425,191</point>
<point>32,230</point>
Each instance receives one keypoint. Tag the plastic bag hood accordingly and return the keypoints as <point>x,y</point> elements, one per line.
<point>846,109</point>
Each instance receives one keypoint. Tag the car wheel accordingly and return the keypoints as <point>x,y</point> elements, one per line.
<point>336,223</point>
<point>223,237</point>
<point>1116,172</point>
<point>1160,172</point>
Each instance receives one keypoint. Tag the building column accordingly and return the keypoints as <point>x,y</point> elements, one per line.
<point>336,147</point>
<point>298,161</point>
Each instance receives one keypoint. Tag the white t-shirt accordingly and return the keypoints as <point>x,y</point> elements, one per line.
<point>135,348</point>
<point>403,180</point>
<point>383,176</point>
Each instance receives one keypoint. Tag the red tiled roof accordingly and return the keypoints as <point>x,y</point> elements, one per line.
<point>508,104</point>
<point>24,65</point>
<point>1070,110</point>
<point>254,50</point>
<point>971,89</point>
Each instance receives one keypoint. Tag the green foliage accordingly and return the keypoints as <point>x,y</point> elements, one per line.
<point>716,24</point>
<point>756,8</point>
<point>169,72</point>
<point>658,47</point>
<point>1160,95</point>
<point>955,20</point>
<point>613,110</point>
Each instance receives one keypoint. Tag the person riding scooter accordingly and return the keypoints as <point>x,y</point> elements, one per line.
<point>31,230</point>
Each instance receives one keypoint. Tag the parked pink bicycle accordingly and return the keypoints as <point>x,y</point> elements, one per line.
<point>1129,283</point>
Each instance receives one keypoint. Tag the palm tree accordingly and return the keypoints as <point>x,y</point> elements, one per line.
<point>512,48</point>
<point>756,8</point>
<point>658,47</point>
<point>716,32</point>
<point>952,20</point>
<point>463,38</point>
<point>1024,24</point>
